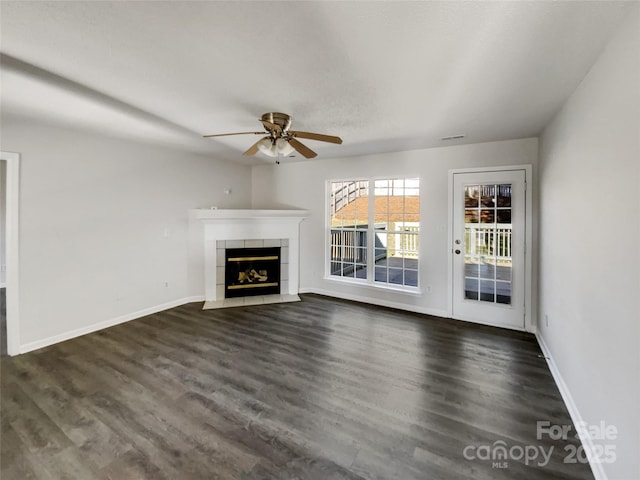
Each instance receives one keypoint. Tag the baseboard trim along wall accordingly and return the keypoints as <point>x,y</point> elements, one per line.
<point>576,417</point>
<point>45,342</point>
<point>375,301</point>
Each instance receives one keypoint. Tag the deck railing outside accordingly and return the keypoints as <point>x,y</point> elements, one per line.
<point>408,244</point>
<point>350,245</point>
<point>347,194</point>
<point>488,239</point>
<point>483,239</point>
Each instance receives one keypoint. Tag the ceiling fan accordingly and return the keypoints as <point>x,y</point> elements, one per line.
<point>280,141</point>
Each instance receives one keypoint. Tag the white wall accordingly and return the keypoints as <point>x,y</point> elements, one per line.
<point>3,220</point>
<point>302,185</point>
<point>589,243</point>
<point>104,224</point>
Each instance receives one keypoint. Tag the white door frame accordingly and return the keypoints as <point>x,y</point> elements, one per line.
<point>12,246</point>
<point>529,323</point>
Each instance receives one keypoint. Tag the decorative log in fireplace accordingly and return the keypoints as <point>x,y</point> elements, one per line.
<point>252,271</point>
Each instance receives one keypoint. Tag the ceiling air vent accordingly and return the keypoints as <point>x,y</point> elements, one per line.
<point>453,137</point>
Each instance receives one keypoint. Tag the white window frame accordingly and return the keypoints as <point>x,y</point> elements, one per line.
<point>371,231</point>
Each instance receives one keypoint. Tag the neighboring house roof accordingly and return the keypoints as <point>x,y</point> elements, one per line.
<point>385,209</point>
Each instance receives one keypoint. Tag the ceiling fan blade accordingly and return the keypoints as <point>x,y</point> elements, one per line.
<point>317,136</point>
<point>238,133</point>
<point>302,149</point>
<point>253,149</point>
<point>272,126</point>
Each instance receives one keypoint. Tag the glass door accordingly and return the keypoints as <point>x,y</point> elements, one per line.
<point>489,247</point>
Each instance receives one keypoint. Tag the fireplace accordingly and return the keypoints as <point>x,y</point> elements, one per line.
<point>252,271</point>
<point>228,229</point>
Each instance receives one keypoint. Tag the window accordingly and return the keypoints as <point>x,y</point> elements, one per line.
<point>374,231</point>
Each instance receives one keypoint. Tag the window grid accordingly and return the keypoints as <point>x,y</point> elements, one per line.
<point>488,243</point>
<point>375,238</point>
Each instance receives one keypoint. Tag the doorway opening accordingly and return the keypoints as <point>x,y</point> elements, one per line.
<point>3,262</point>
<point>9,191</point>
<point>490,268</point>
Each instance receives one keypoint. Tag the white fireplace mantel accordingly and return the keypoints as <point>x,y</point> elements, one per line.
<point>238,224</point>
<point>214,214</point>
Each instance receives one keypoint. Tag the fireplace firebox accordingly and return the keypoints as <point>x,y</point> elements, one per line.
<point>252,271</point>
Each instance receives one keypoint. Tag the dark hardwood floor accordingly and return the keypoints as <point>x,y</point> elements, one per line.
<point>319,389</point>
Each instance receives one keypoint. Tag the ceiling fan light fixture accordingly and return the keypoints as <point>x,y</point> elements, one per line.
<point>275,148</point>
<point>267,147</point>
<point>280,141</point>
<point>283,147</point>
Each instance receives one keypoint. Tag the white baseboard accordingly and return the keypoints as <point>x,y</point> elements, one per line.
<point>45,342</point>
<point>376,301</point>
<point>576,417</point>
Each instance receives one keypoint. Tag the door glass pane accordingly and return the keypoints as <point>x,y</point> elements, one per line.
<point>471,194</point>
<point>487,290</point>
<point>487,215</point>
<point>487,195</point>
<point>470,288</point>
<point>504,215</point>
<point>503,273</point>
<point>486,271</point>
<point>503,292</point>
<point>504,196</point>
<point>487,245</point>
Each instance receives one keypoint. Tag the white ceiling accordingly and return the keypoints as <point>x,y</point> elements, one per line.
<point>385,76</point>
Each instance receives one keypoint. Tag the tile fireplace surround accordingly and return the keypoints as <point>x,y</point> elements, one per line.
<point>223,228</point>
